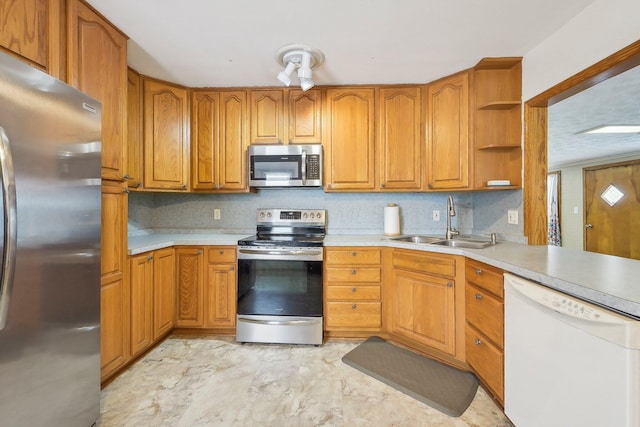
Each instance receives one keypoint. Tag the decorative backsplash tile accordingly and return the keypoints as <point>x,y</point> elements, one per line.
<point>347,213</point>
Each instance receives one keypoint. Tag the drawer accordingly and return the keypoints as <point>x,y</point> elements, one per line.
<point>486,360</point>
<point>443,265</point>
<point>355,292</point>
<point>353,274</point>
<point>222,254</point>
<point>360,314</point>
<point>352,256</point>
<point>485,276</point>
<point>486,313</point>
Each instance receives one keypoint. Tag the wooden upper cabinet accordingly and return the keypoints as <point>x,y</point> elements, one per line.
<point>166,136</point>
<point>350,139</point>
<point>205,111</point>
<point>32,30</point>
<point>400,139</point>
<point>97,65</point>
<point>233,142</point>
<point>305,116</point>
<point>219,141</point>
<point>285,116</point>
<point>267,116</point>
<point>134,130</point>
<point>447,123</point>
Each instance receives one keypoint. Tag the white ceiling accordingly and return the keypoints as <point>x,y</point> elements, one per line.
<point>615,101</point>
<point>223,43</point>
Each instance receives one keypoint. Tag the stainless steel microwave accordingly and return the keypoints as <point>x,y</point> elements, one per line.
<point>272,166</point>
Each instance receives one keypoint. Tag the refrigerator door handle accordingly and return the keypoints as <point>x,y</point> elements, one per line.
<point>7,176</point>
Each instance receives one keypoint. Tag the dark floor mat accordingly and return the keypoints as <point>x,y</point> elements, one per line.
<point>442,387</point>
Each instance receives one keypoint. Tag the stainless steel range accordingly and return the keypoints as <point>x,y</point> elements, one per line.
<point>280,278</point>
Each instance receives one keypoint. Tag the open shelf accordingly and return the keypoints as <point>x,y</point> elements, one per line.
<point>499,105</point>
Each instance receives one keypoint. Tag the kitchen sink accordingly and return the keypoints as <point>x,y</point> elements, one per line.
<point>417,239</point>
<point>459,242</point>
<point>463,243</point>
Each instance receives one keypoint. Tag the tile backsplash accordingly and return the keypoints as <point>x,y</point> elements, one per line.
<point>347,213</point>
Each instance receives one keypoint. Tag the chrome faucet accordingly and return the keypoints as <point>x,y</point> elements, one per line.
<point>451,211</point>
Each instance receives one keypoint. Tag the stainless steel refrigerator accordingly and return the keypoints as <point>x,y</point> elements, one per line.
<point>50,238</point>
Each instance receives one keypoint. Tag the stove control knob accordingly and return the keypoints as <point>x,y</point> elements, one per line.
<point>304,215</point>
<point>261,215</point>
<point>312,215</point>
<point>268,214</point>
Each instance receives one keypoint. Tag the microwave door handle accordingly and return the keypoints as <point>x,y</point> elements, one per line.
<point>304,167</point>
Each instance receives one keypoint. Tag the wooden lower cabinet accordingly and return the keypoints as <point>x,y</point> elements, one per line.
<point>485,324</point>
<point>152,278</point>
<point>352,291</point>
<point>114,325</point>
<point>423,298</point>
<point>220,289</point>
<point>206,288</point>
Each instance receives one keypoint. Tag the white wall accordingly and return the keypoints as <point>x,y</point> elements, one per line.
<point>601,29</point>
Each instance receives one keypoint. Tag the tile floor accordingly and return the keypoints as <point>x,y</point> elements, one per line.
<point>214,381</point>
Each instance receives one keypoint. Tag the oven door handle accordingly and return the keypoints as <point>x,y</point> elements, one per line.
<point>268,252</point>
<point>281,322</point>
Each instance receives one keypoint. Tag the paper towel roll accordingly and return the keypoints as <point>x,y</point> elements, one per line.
<point>391,220</point>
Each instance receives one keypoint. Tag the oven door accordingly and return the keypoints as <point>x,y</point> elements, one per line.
<point>278,287</point>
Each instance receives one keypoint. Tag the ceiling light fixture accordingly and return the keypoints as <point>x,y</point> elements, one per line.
<point>300,57</point>
<point>614,129</point>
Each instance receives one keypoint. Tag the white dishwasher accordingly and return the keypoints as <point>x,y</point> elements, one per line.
<point>567,362</point>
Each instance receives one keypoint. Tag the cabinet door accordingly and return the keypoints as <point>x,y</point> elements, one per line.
<point>114,324</point>
<point>141,279</point>
<point>305,116</point>
<point>32,30</point>
<point>114,229</point>
<point>424,309</point>
<point>97,65</point>
<point>400,139</point>
<point>166,144</point>
<point>134,130</point>
<point>448,133</point>
<point>164,291</point>
<point>267,116</point>
<point>190,287</point>
<point>204,140</point>
<point>349,137</point>
<point>232,150</point>
<point>221,295</point>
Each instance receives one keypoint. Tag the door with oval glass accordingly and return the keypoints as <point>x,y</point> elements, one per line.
<point>611,206</point>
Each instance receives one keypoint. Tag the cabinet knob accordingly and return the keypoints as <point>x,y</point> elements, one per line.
<point>449,285</point>
<point>353,272</point>
<point>478,271</point>
<point>138,185</point>
<point>232,268</point>
<point>478,296</point>
<point>126,190</point>
<point>149,258</point>
<point>477,341</point>
<point>354,253</point>
<point>353,290</point>
<point>354,306</point>
<point>382,185</point>
<point>199,251</point>
<point>184,186</point>
<point>221,251</point>
<point>126,176</point>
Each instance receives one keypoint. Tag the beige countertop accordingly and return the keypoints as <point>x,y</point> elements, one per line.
<point>609,281</point>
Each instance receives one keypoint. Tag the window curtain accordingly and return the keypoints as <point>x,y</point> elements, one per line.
<point>553,214</point>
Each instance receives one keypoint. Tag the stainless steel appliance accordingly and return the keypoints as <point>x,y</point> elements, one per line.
<point>280,278</point>
<point>285,166</point>
<point>50,237</point>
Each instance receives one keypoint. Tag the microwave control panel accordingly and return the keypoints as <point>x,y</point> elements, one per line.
<point>313,167</point>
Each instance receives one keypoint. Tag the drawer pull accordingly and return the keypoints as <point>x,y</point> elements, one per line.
<point>478,271</point>
<point>478,296</point>
<point>353,272</point>
<point>353,290</point>
<point>354,306</point>
<point>477,341</point>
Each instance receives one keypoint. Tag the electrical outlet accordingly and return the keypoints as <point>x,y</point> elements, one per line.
<point>436,215</point>
<point>512,217</point>
<point>216,214</point>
